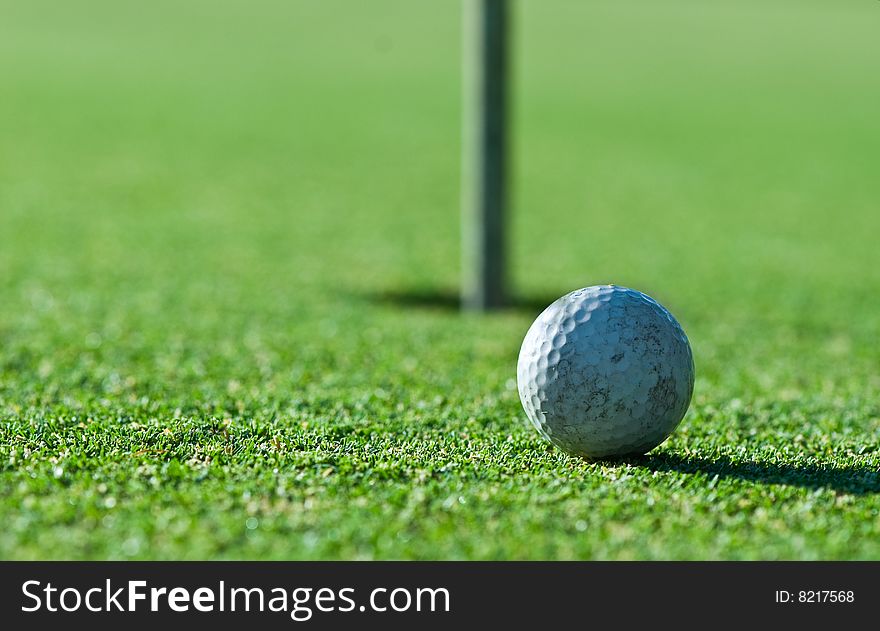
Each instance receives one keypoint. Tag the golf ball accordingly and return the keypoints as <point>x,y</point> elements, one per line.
<point>605,371</point>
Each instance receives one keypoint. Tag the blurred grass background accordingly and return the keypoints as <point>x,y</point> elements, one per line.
<point>229,235</point>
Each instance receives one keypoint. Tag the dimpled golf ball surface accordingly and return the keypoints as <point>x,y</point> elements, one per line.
<point>605,371</point>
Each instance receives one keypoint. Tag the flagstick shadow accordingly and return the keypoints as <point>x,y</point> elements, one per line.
<point>450,300</point>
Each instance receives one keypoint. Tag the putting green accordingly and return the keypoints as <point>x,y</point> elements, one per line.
<point>229,257</point>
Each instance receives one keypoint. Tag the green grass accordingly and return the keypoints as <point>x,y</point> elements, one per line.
<point>229,234</point>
